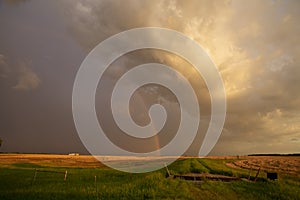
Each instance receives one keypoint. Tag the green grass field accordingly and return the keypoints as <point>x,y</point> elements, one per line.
<point>17,182</point>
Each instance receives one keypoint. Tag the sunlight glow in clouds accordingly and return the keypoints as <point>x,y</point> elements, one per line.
<point>254,43</point>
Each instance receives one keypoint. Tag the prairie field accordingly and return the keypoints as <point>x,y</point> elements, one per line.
<point>38,176</point>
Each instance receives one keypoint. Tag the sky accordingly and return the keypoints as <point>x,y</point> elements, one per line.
<point>255,45</point>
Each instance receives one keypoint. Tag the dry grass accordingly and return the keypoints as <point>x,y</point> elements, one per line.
<point>50,160</point>
<point>80,161</point>
<point>280,164</point>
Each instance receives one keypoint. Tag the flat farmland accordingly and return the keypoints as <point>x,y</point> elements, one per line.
<point>10,160</point>
<point>39,176</point>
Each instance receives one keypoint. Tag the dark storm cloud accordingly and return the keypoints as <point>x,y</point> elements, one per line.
<point>38,63</point>
<point>14,2</point>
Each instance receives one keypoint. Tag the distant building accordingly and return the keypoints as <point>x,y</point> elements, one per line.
<point>73,154</point>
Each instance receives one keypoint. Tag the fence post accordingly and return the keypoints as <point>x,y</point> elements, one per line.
<point>96,188</point>
<point>167,170</point>
<point>34,176</point>
<point>257,174</point>
<point>66,173</point>
<point>250,173</point>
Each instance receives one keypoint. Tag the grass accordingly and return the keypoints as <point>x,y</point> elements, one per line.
<point>16,182</point>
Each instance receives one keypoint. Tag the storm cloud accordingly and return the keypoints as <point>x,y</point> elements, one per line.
<point>254,44</point>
